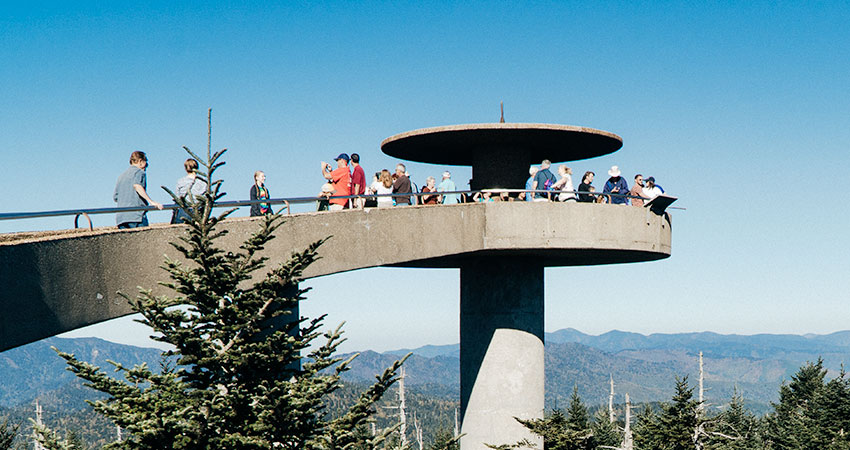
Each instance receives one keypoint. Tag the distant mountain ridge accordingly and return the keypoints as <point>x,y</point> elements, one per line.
<point>34,369</point>
<point>645,366</point>
<point>759,346</point>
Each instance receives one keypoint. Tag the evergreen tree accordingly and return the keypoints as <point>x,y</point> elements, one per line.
<point>675,428</point>
<point>605,432</point>
<point>444,439</point>
<point>792,424</point>
<point>50,439</point>
<point>578,420</point>
<point>646,431</point>
<point>832,413</point>
<point>74,441</point>
<point>8,432</point>
<point>735,428</point>
<point>239,380</point>
<point>559,431</point>
<point>679,419</point>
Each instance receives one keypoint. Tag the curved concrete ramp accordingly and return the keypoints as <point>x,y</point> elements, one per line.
<point>66,280</point>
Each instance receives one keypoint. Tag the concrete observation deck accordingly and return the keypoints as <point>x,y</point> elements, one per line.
<point>60,282</point>
<point>501,323</point>
<point>57,282</point>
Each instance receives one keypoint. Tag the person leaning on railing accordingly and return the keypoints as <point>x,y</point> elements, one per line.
<point>130,191</point>
<point>651,190</point>
<point>384,189</point>
<point>430,186</point>
<point>188,187</point>
<point>565,184</point>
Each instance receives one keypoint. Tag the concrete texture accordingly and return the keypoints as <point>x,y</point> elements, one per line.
<point>496,150</point>
<point>56,284</point>
<point>501,350</point>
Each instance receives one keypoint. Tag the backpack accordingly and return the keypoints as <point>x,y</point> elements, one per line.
<point>547,184</point>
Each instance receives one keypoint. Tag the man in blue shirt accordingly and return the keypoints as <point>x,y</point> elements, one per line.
<point>447,185</point>
<point>616,185</point>
<point>130,192</point>
<point>543,180</point>
<point>528,196</point>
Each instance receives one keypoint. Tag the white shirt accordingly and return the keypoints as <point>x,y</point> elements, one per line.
<point>652,192</point>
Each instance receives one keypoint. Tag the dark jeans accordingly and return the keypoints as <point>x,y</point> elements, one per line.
<point>180,215</point>
<point>125,225</point>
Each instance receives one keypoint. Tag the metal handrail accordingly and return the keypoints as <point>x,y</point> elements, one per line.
<point>287,202</point>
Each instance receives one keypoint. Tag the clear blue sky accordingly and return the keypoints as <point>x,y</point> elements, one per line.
<point>741,109</point>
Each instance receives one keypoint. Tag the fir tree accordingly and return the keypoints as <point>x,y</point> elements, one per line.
<point>445,440</point>
<point>578,419</point>
<point>647,432</point>
<point>8,432</point>
<point>239,379</point>
<point>571,431</point>
<point>605,432</point>
<point>734,429</point>
<point>792,424</point>
<point>675,428</point>
<point>678,420</point>
<point>832,413</point>
<point>74,440</point>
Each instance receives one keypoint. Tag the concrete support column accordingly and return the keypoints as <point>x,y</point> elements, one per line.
<point>501,350</point>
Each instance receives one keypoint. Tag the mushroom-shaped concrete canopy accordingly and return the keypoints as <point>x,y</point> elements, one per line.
<point>456,144</point>
<point>500,153</point>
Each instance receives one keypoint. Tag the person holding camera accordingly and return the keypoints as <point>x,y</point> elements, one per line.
<point>340,178</point>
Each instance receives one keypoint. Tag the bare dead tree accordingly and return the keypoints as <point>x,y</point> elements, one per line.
<point>700,407</point>
<point>457,425</point>
<point>417,432</point>
<point>628,439</point>
<point>402,417</point>
<point>38,420</point>
<point>611,401</point>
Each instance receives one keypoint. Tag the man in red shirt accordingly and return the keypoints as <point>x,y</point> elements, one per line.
<point>358,181</point>
<point>341,180</point>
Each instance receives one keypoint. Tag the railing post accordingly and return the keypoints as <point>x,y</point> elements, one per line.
<point>77,218</point>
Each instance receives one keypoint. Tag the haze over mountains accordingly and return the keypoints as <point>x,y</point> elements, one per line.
<point>644,366</point>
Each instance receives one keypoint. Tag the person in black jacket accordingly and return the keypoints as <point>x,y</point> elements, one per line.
<point>585,187</point>
<point>259,192</point>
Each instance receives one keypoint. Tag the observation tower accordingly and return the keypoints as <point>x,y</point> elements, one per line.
<point>501,286</point>
<point>59,281</point>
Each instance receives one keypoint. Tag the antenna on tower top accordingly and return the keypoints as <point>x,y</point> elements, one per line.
<point>502,106</point>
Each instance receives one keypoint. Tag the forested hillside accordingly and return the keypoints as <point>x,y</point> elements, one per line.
<point>646,367</point>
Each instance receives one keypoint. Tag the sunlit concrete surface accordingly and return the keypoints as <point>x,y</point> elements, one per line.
<point>56,282</point>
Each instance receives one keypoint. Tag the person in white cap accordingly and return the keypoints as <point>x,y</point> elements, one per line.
<point>616,185</point>
<point>447,185</point>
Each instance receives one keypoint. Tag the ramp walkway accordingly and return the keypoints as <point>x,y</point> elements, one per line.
<point>59,281</point>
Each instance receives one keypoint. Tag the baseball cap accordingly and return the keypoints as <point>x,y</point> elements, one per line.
<point>342,156</point>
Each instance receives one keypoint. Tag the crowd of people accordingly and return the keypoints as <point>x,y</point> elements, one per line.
<point>616,190</point>
<point>386,189</point>
<point>345,188</point>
